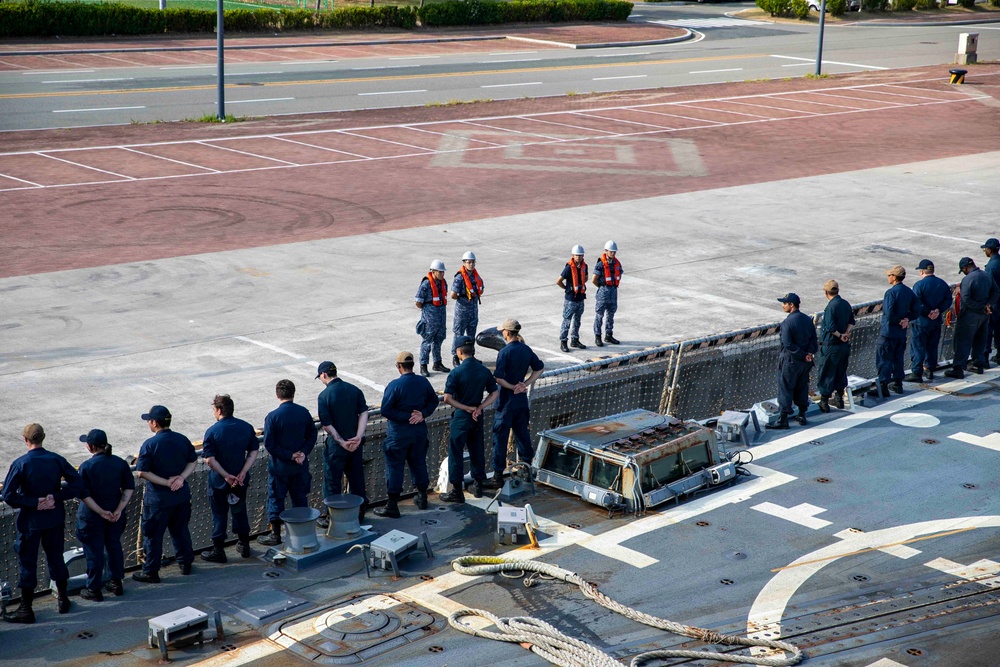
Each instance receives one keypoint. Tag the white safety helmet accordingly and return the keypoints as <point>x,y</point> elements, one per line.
<point>612,246</point>
<point>577,250</point>
<point>437,265</point>
<point>469,256</point>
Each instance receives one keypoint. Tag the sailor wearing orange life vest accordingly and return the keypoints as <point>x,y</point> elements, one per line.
<point>573,280</point>
<point>432,300</point>
<point>466,290</point>
<point>607,277</point>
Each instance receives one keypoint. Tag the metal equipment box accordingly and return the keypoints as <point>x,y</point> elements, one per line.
<point>639,457</point>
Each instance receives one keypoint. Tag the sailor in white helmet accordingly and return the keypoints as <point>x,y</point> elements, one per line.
<point>466,290</point>
<point>573,281</point>
<point>432,300</point>
<point>607,277</point>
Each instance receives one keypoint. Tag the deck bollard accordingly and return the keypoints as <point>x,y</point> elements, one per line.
<point>957,76</point>
<point>301,525</point>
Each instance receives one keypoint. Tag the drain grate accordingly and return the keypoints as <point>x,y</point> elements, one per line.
<point>815,442</point>
<point>930,441</point>
<point>576,526</point>
<point>272,574</point>
<point>915,651</point>
<point>436,649</point>
<point>726,582</point>
<point>85,634</point>
<point>860,577</point>
<point>225,648</point>
<point>429,522</point>
<point>823,480</point>
<point>702,523</point>
<point>969,485</point>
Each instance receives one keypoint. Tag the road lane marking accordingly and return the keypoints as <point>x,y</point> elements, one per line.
<point>713,71</point>
<point>59,71</point>
<point>94,109</point>
<point>413,57</point>
<point>229,74</point>
<point>392,92</point>
<point>509,85</point>
<point>518,60</point>
<point>803,514</point>
<point>267,99</point>
<point>614,78</point>
<point>362,69</point>
<point>831,62</point>
<point>89,80</point>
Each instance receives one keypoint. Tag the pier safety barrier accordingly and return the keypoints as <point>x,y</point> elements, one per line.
<point>692,379</point>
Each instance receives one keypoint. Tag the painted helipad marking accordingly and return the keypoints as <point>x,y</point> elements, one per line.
<point>915,420</point>
<point>886,662</point>
<point>887,409</point>
<point>979,572</point>
<point>991,441</point>
<point>661,109</point>
<point>803,514</point>
<point>769,606</point>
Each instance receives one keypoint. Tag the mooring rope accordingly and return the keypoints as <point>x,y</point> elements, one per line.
<point>560,649</point>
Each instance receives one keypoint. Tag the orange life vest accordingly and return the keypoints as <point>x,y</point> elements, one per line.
<point>439,293</point>
<point>612,275</point>
<point>473,284</point>
<point>579,277</point>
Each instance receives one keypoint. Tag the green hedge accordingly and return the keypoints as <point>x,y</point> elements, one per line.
<point>489,12</point>
<point>38,18</point>
<point>776,7</point>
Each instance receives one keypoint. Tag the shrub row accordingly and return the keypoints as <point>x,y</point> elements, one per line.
<point>38,18</point>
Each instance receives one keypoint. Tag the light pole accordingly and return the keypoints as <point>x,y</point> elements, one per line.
<point>819,48</point>
<point>220,58</point>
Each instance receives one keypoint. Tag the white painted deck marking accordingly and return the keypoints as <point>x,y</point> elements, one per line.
<point>803,514</point>
<point>991,441</point>
<point>937,236</point>
<point>312,364</point>
<point>981,572</point>
<point>915,420</point>
<point>900,551</point>
<point>886,662</point>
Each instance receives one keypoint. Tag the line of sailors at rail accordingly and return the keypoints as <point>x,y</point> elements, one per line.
<point>40,482</point>
<point>919,312</point>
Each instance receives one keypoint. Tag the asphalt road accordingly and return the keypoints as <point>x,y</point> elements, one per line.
<point>722,50</point>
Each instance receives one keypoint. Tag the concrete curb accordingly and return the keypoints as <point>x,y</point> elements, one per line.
<point>875,23</point>
<point>605,45</point>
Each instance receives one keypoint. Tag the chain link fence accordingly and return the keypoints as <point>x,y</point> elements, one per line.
<point>694,379</point>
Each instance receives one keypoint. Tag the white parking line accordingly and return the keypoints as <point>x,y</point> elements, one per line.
<point>88,80</point>
<point>59,71</point>
<point>95,109</point>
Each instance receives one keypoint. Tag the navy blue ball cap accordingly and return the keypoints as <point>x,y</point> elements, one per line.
<point>157,412</point>
<point>791,298</point>
<point>992,244</point>
<point>95,437</point>
<point>964,262</point>
<point>925,264</point>
<point>325,367</point>
<point>462,341</point>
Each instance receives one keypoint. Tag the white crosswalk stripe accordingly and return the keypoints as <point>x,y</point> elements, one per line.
<point>720,22</point>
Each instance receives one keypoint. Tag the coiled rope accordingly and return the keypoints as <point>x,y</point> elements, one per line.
<point>560,649</point>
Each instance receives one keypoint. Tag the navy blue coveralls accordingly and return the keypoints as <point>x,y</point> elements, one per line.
<point>229,441</point>
<point>831,375</point>
<point>104,477</point>
<point>898,303</point>
<point>406,443</point>
<point>992,269</point>
<point>467,384</point>
<point>798,338</point>
<point>288,429</point>
<point>574,300</point>
<point>978,291</point>
<point>932,294</point>
<point>340,405</point>
<point>512,411</point>
<point>37,474</point>
<point>166,454</point>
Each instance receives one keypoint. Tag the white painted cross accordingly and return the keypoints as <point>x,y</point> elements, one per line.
<point>804,514</point>
<point>991,441</point>
<point>974,572</point>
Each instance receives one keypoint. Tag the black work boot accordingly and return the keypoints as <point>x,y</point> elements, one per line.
<point>913,376</point>
<point>801,417</point>
<point>824,403</point>
<point>477,489</point>
<point>781,424</point>
<point>24,613</point>
<point>838,400</point>
<point>272,538</point>
<point>391,509</point>
<point>323,521</point>
<point>243,545</point>
<point>608,338</point>
<point>598,341</point>
<point>957,373</point>
<point>217,554</point>
<point>115,587</point>
<point>453,496</point>
<point>424,371</point>
<point>577,344</point>
<point>62,597</point>
<point>361,512</point>
<point>897,387</point>
<point>495,482</point>
<point>439,367</point>
<point>563,346</point>
<point>92,594</point>
<point>873,392</point>
<point>420,500</point>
